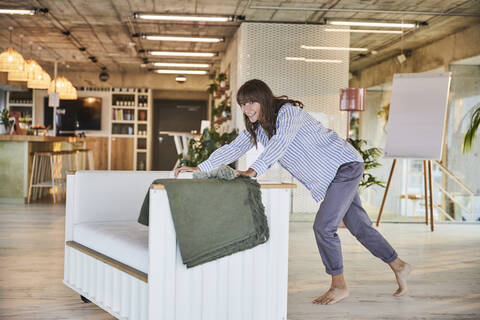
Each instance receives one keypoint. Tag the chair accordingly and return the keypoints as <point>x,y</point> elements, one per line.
<point>49,172</point>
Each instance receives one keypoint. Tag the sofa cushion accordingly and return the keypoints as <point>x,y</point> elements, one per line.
<point>124,241</point>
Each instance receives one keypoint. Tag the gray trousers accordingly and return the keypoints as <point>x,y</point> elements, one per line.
<point>342,202</point>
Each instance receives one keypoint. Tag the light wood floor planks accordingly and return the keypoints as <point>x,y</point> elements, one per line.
<point>445,283</point>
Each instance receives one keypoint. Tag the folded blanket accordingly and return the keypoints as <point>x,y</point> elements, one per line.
<point>213,218</point>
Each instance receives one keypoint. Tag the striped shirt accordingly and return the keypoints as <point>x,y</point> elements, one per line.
<point>302,145</point>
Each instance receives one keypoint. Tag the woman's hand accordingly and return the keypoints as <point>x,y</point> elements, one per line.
<point>185,169</point>
<point>250,172</point>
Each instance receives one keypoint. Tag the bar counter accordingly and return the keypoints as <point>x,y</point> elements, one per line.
<point>16,157</point>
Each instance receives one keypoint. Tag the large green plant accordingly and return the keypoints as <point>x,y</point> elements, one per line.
<point>200,150</point>
<point>370,158</point>
<point>469,137</point>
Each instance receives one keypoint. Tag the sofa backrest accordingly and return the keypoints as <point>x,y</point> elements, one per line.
<point>111,195</point>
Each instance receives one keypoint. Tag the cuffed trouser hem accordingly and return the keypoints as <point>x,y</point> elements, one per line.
<point>393,257</point>
<point>334,272</point>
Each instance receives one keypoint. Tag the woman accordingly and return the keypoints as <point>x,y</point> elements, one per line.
<point>329,167</point>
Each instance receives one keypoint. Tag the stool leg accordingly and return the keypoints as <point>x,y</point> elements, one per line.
<point>91,164</point>
<point>53,177</point>
<point>31,178</point>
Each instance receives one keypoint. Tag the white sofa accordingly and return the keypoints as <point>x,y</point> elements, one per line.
<point>136,272</point>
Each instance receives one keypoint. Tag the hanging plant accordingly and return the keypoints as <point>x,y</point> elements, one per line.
<point>469,137</point>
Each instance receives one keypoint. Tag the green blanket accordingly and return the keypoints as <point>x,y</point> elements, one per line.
<point>213,218</point>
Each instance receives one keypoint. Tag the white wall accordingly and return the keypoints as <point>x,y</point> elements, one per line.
<point>261,53</point>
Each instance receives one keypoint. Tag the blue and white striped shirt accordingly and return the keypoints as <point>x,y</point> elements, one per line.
<point>301,144</point>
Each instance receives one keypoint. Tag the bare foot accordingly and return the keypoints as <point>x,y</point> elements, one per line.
<point>401,270</point>
<point>332,296</point>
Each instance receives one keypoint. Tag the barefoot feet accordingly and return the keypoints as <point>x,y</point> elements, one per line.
<point>401,270</point>
<point>332,296</point>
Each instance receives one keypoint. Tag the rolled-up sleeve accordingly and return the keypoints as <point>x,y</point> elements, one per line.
<point>287,125</point>
<point>228,153</point>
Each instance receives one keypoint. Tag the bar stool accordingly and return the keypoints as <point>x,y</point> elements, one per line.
<point>84,157</point>
<point>49,171</point>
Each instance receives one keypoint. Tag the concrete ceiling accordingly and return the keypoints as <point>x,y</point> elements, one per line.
<point>105,27</point>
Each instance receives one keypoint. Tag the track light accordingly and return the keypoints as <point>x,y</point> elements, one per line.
<point>181,65</point>
<point>187,39</point>
<point>182,54</point>
<point>372,24</point>
<point>27,12</point>
<point>333,48</point>
<point>171,17</point>
<point>165,71</point>
<point>364,31</point>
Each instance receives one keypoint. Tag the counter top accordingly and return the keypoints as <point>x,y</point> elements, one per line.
<point>6,137</point>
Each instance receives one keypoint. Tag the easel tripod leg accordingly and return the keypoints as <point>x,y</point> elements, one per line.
<point>386,192</point>
<point>426,191</point>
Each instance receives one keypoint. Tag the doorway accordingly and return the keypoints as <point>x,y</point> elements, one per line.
<point>173,115</point>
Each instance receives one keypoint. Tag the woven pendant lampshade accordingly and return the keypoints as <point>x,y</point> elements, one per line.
<point>65,89</point>
<point>37,77</point>
<point>21,74</point>
<point>10,60</point>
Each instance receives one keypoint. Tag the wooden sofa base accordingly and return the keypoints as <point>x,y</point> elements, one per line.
<point>113,286</point>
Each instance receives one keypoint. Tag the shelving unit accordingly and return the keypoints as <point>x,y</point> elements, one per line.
<point>21,101</point>
<point>131,118</point>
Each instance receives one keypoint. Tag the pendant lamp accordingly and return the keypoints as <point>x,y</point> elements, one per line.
<point>64,88</point>
<point>11,60</point>
<point>21,74</point>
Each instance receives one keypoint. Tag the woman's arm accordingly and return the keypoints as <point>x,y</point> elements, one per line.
<point>288,124</point>
<point>228,153</point>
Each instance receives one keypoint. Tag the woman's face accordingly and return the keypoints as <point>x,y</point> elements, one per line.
<point>252,110</point>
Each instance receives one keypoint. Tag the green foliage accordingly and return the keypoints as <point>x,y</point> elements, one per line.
<point>5,119</point>
<point>370,158</point>
<point>199,151</point>
<point>221,77</point>
<point>212,87</point>
<point>469,137</point>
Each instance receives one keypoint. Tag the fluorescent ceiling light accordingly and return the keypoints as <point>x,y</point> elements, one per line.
<point>312,60</point>
<point>364,31</point>
<point>182,54</point>
<point>17,11</point>
<point>180,71</point>
<point>372,24</point>
<point>190,39</point>
<point>167,17</point>
<point>333,48</point>
<point>187,65</point>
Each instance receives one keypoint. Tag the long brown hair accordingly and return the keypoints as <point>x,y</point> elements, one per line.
<point>258,91</point>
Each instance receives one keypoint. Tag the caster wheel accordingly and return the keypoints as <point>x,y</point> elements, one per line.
<point>85,300</point>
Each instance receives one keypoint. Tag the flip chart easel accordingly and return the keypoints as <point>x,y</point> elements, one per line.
<point>416,126</point>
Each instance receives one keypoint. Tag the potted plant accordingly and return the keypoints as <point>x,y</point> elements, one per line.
<point>469,137</point>
<point>370,158</point>
<point>5,125</point>
<point>222,80</point>
<point>199,151</point>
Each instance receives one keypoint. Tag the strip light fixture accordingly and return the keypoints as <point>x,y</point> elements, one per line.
<point>182,54</point>
<point>181,65</point>
<point>333,48</point>
<point>372,24</point>
<point>18,11</point>
<point>169,17</point>
<point>167,71</point>
<point>188,39</point>
<point>365,31</point>
<point>312,60</point>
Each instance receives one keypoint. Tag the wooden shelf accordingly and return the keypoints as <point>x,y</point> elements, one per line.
<point>124,107</point>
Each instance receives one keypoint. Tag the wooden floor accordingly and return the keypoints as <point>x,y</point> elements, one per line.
<point>445,283</point>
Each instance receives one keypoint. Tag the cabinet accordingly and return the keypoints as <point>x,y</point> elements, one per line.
<point>131,117</point>
<point>122,153</point>
<point>20,104</point>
